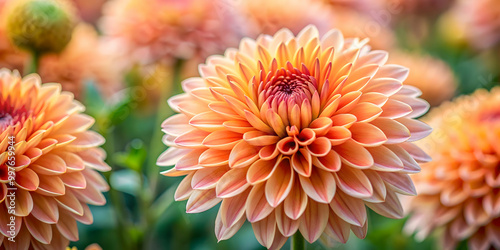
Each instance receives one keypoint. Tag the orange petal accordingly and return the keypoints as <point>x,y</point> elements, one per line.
<point>280,183</point>
<point>337,228</point>
<point>222,140</point>
<point>192,139</point>
<point>222,232</point>
<point>233,209</point>
<point>27,179</point>
<point>259,138</point>
<point>189,161</point>
<point>67,227</point>
<point>41,231</point>
<point>417,128</point>
<point>242,155</point>
<point>264,230</point>
<point>261,170</point>
<point>320,186</point>
<point>399,182</point>
<point>379,188</point>
<point>296,202</point>
<point>391,208</point>
<point>313,222</point>
<point>287,146</point>
<point>330,162</point>
<point>214,157</point>
<point>176,125</point>
<point>351,210</point>
<point>321,125</point>
<point>232,183</point>
<point>395,109</point>
<point>366,112</point>
<point>319,147</point>
<point>354,154</point>
<point>385,160</point>
<point>208,121</point>
<point>302,162</point>
<point>393,130</point>
<point>354,182</point>
<point>338,135</point>
<point>184,190</point>
<point>367,135</point>
<point>286,226</point>
<point>207,178</point>
<point>201,200</point>
<point>257,207</point>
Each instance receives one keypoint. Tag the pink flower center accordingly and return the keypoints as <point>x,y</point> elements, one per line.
<point>292,87</point>
<point>5,121</point>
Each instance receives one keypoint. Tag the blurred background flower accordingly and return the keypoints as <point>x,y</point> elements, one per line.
<point>459,189</point>
<point>56,163</point>
<point>432,76</point>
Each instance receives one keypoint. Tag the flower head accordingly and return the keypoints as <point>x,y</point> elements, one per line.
<point>432,76</point>
<point>40,25</point>
<point>165,30</point>
<point>56,163</point>
<point>295,134</point>
<point>459,190</point>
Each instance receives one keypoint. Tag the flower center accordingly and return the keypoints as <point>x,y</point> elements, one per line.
<point>5,120</point>
<point>289,87</point>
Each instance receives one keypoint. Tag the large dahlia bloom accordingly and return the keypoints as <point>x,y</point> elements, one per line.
<point>459,191</point>
<point>165,30</point>
<point>432,76</point>
<point>295,133</point>
<point>56,164</point>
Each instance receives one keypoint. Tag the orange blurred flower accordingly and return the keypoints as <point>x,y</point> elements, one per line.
<point>164,30</point>
<point>417,7</point>
<point>293,15</point>
<point>56,164</point>
<point>459,190</point>
<point>83,59</point>
<point>432,76</point>
<point>295,133</point>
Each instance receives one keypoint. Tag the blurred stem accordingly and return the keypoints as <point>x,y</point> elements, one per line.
<point>157,146</point>
<point>115,196</point>
<point>298,242</point>
<point>32,66</point>
<point>172,86</point>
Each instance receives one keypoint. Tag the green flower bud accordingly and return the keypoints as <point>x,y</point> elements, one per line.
<point>41,26</point>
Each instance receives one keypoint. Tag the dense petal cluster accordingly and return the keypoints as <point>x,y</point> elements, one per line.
<point>432,76</point>
<point>459,191</point>
<point>56,164</point>
<point>295,134</point>
<point>164,30</point>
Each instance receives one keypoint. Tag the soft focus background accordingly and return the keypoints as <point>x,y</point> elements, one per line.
<point>126,57</point>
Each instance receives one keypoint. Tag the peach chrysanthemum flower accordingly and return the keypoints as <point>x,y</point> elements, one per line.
<point>165,30</point>
<point>265,20</point>
<point>432,76</point>
<point>56,164</point>
<point>295,133</point>
<point>83,59</point>
<point>459,191</point>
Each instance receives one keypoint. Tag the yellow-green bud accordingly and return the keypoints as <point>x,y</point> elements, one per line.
<point>41,26</point>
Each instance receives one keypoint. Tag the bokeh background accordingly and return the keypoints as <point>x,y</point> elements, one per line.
<point>126,57</point>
